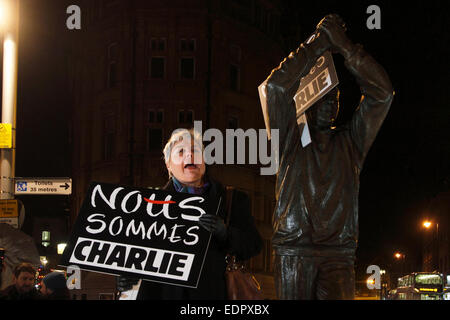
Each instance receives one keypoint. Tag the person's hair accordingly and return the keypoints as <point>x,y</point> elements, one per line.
<point>177,136</point>
<point>24,267</point>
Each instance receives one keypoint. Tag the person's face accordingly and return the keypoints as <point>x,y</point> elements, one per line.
<point>323,114</point>
<point>182,165</point>
<point>24,282</point>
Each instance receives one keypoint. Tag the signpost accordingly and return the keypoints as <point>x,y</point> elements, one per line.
<point>43,186</point>
<point>9,212</point>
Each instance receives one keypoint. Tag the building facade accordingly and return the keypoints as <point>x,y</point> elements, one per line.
<point>141,69</point>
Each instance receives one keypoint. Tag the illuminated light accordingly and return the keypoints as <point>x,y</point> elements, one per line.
<point>398,255</point>
<point>61,247</point>
<point>44,260</point>
<point>428,289</point>
<point>4,14</point>
<point>427,224</point>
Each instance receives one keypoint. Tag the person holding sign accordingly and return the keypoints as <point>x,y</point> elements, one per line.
<point>183,156</point>
<point>316,216</point>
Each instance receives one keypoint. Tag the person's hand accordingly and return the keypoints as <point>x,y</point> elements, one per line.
<point>215,225</point>
<point>334,27</point>
<point>125,283</point>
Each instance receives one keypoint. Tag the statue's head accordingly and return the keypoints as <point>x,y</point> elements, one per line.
<point>324,112</point>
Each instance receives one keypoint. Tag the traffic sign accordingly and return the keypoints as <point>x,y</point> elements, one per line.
<point>41,186</point>
<point>5,135</point>
<point>9,212</point>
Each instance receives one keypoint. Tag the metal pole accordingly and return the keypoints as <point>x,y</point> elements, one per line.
<point>9,98</point>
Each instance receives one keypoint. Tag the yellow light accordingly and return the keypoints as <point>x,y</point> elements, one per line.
<point>4,14</point>
<point>61,247</point>
<point>427,224</point>
<point>44,260</point>
<point>398,255</point>
<point>428,289</point>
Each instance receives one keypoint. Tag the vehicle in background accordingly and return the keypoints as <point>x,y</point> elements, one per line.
<point>420,286</point>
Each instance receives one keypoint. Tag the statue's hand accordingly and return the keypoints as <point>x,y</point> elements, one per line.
<point>334,27</point>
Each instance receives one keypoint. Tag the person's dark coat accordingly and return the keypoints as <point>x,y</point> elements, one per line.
<point>11,294</point>
<point>59,294</point>
<point>243,240</point>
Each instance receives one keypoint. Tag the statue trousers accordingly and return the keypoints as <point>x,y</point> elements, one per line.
<point>314,277</point>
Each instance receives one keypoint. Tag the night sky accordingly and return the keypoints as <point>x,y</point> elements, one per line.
<point>407,165</point>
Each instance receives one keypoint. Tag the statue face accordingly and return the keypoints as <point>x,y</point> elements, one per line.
<point>324,112</point>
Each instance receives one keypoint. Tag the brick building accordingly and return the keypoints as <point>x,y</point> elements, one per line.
<point>140,69</point>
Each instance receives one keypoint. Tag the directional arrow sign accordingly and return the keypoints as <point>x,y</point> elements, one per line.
<point>47,186</point>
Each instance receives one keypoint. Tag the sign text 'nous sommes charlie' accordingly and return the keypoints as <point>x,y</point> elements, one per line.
<point>148,233</point>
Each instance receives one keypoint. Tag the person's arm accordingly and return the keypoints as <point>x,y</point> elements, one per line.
<point>376,88</point>
<point>283,82</point>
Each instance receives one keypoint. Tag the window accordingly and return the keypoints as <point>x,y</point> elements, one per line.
<point>187,68</point>
<point>232,122</point>
<point>234,77</point>
<point>45,238</point>
<point>158,44</point>
<point>235,53</point>
<point>185,116</point>
<point>155,122</point>
<point>112,66</point>
<point>109,137</point>
<point>157,67</point>
<point>187,45</point>
<point>155,116</point>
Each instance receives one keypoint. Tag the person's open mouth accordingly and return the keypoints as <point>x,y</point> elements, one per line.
<point>190,166</point>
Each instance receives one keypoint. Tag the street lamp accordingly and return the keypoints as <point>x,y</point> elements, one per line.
<point>10,12</point>
<point>399,255</point>
<point>4,9</point>
<point>427,224</point>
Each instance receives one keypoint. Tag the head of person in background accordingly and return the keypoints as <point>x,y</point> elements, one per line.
<point>54,286</point>
<point>183,155</point>
<point>24,278</point>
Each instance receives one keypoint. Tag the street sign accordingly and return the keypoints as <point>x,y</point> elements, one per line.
<point>9,212</point>
<point>5,135</point>
<point>43,186</point>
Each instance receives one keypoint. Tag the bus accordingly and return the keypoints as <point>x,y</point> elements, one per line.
<point>420,286</point>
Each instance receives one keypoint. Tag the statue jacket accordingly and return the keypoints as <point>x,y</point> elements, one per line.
<point>317,186</point>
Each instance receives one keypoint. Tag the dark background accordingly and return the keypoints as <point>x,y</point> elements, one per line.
<point>407,166</point>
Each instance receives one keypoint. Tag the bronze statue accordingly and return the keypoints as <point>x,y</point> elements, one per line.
<point>316,217</point>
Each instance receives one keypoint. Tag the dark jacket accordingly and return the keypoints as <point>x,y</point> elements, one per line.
<point>10,293</point>
<point>243,240</point>
<point>317,186</point>
<point>59,294</point>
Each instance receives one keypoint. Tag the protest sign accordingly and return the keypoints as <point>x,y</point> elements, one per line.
<point>145,233</point>
<point>320,80</point>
